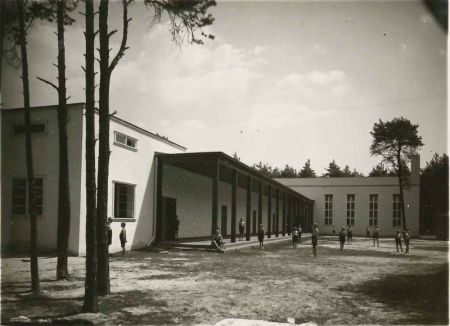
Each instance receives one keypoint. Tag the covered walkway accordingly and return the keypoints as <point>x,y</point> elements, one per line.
<point>251,192</point>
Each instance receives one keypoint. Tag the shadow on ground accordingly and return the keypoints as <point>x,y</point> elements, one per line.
<point>425,296</point>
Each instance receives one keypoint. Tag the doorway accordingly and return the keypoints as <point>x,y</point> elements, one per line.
<point>169,218</point>
<point>224,220</point>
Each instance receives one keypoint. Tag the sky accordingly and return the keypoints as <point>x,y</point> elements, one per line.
<point>282,82</point>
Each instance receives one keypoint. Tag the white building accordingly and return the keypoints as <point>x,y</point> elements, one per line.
<point>151,181</point>
<point>361,202</point>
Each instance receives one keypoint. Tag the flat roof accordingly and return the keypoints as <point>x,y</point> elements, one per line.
<point>112,117</point>
<point>226,159</point>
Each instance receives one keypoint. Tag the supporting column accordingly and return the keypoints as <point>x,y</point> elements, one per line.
<point>249,208</point>
<point>269,212</point>
<point>233,205</point>
<point>289,202</point>
<point>159,200</point>
<point>259,205</point>
<point>284,215</point>
<point>277,213</point>
<point>215,200</point>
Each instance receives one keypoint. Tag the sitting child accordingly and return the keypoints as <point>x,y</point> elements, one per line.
<point>217,241</point>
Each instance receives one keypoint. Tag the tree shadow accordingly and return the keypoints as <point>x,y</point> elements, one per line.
<point>424,295</point>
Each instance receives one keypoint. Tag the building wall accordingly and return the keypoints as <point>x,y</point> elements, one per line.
<point>15,229</point>
<point>136,168</point>
<point>361,187</point>
<point>193,194</point>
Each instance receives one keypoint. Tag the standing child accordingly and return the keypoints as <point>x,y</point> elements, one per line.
<point>349,234</point>
<point>294,237</point>
<point>300,231</point>
<point>109,231</point>
<point>123,237</point>
<point>406,238</point>
<point>342,238</point>
<point>398,241</point>
<point>261,236</point>
<point>314,238</point>
<point>376,235</point>
<point>241,229</point>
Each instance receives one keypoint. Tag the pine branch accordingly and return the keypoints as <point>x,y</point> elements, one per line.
<point>49,83</point>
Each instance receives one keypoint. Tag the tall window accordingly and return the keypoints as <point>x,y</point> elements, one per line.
<point>123,200</point>
<point>328,209</point>
<point>396,210</point>
<point>20,196</point>
<point>350,209</point>
<point>373,209</point>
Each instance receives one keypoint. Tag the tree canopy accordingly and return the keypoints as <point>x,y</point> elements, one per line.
<point>395,140</point>
<point>307,171</point>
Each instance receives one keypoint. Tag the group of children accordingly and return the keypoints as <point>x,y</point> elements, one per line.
<point>398,240</point>
<point>218,244</point>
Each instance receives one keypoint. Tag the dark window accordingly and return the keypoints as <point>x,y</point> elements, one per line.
<point>396,210</point>
<point>350,209</point>
<point>35,127</point>
<point>20,196</point>
<point>328,209</point>
<point>123,200</point>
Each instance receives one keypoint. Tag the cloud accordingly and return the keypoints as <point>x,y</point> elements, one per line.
<point>193,78</point>
<point>327,77</point>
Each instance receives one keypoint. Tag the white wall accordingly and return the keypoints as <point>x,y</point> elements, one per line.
<point>15,229</point>
<point>193,193</point>
<point>361,187</point>
<point>137,168</point>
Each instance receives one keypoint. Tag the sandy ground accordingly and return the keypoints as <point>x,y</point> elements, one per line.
<point>361,285</point>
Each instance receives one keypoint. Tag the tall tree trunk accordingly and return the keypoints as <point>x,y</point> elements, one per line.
<point>35,288</point>
<point>400,181</point>
<point>2,32</point>
<point>63,183</point>
<point>90,295</point>
<point>103,154</point>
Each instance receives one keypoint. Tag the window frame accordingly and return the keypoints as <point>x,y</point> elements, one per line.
<point>328,209</point>
<point>17,126</point>
<point>114,202</point>
<point>351,198</point>
<point>125,143</point>
<point>373,209</point>
<point>40,207</point>
<point>396,211</point>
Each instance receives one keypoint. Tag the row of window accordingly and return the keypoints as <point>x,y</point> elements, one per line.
<point>123,198</point>
<point>373,209</point>
<point>119,138</point>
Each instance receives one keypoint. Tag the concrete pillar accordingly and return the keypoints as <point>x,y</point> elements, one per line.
<point>249,208</point>
<point>233,205</point>
<point>284,215</point>
<point>269,211</point>
<point>215,200</point>
<point>259,204</point>
<point>159,199</point>
<point>277,213</point>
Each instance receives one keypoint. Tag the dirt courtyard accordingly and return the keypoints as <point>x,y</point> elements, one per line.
<point>361,285</point>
